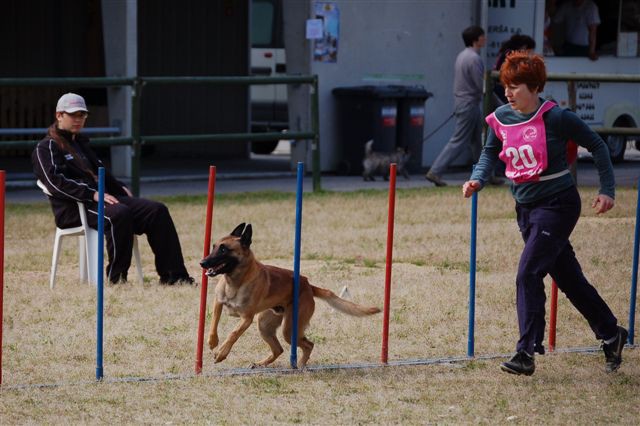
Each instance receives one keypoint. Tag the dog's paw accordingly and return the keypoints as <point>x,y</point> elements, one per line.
<point>213,342</point>
<point>219,356</point>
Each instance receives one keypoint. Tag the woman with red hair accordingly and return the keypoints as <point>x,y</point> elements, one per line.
<point>530,135</point>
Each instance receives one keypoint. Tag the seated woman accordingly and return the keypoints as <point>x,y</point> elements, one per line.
<point>67,166</point>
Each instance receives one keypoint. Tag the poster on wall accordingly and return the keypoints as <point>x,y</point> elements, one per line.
<point>325,48</point>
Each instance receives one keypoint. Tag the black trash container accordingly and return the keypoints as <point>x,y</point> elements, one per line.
<point>365,113</point>
<point>411,124</point>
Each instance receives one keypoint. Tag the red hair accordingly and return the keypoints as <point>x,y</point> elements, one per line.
<point>521,67</point>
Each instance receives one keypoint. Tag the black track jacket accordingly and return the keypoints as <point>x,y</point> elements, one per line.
<point>66,181</point>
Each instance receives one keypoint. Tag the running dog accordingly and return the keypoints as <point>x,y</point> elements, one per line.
<point>248,288</point>
<point>380,162</point>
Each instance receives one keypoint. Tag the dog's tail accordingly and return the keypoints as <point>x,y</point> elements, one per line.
<point>368,147</point>
<point>342,305</point>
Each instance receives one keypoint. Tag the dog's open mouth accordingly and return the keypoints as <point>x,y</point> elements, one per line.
<point>215,270</point>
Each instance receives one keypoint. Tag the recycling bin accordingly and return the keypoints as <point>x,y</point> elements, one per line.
<point>411,116</point>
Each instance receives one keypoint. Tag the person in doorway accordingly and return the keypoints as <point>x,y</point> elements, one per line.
<point>531,135</point>
<point>66,165</point>
<point>467,92</point>
<point>581,19</point>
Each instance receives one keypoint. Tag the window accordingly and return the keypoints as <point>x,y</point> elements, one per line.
<point>262,14</point>
<point>616,35</point>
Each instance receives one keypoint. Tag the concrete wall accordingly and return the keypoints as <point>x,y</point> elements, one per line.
<point>393,42</point>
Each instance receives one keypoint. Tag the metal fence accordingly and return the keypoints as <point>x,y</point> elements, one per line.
<point>136,140</point>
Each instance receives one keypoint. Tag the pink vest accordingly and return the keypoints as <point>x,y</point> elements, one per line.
<point>524,145</point>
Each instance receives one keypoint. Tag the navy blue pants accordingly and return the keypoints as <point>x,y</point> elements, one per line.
<point>545,226</point>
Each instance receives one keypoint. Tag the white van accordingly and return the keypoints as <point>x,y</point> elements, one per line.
<point>269,109</point>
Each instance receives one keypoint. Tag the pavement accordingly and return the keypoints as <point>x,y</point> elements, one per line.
<point>189,176</point>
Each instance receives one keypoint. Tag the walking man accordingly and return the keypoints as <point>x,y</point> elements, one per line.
<point>467,93</point>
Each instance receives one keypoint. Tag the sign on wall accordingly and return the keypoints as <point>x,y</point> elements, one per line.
<point>506,18</point>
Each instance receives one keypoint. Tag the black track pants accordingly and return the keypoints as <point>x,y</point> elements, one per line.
<point>139,216</point>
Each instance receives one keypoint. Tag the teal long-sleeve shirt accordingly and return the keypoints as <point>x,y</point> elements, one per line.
<point>560,126</point>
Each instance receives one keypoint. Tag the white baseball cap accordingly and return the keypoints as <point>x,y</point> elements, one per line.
<point>70,103</point>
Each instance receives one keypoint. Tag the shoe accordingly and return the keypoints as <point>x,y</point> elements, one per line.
<point>493,180</point>
<point>538,349</point>
<point>120,279</point>
<point>613,351</point>
<point>435,179</point>
<point>521,363</point>
<point>177,280</point>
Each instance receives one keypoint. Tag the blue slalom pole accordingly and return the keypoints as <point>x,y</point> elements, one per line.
<point>296,269</point>
<point>100,283</point>
<point>634,273</point>
<point>472,274</point>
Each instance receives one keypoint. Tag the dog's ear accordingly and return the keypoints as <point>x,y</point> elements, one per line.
<point>245,240</point>
<point>238,231</point>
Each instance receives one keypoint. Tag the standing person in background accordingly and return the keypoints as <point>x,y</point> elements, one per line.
<point>467,92</point>
<point>66,165</point>
<point>531,135</point>
<point>581,19</point>
<point>516,42</point>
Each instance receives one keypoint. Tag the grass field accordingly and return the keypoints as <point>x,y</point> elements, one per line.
<point>150,330</point>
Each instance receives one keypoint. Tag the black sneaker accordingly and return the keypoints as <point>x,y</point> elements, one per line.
<point>521,363</point>
<point>177,280</point>
<point>613,351</point>
<point>538,349</point>
<point>120,279</point>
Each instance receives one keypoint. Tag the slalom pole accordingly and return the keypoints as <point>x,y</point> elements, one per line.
<point>472,275</point>
<point>634,273</point>
<point>2,185</point>
<point>553,315</point>
<point>296,269</point>
<point>205,280</point>
<point>384,358</point>
<point>100,272</point>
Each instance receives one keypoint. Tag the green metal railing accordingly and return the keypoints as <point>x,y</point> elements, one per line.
<point>136,140</point>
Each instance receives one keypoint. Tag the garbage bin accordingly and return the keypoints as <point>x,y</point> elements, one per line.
<point>411,124</point>
<point>365,113</point>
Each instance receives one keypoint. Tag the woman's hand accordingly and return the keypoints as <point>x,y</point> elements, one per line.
<point>603,203</point>
<point>108,198</point>
<point>469,187</point>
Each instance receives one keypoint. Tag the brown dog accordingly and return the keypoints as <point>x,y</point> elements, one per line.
<point>248,288</point>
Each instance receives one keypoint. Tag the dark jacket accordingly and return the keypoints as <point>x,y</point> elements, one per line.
<point>68,178</point>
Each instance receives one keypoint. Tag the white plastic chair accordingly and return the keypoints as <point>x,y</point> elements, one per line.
<point>87,247</point>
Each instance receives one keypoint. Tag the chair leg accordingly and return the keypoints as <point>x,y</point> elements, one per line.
<point>57,247</point>
<point>136,256</point>
<point>82,259</point>
<point>91,239</point>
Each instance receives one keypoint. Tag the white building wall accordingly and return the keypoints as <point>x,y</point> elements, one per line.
<point>412,42</point>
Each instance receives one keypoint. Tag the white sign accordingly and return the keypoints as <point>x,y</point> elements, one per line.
<point>507,18</point>
<point>314,29</point>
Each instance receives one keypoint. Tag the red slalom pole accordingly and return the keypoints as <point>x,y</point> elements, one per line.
<point>205,279</point>
<point>387,280</point>
<point>553,315</point>
<point>2,180</point>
